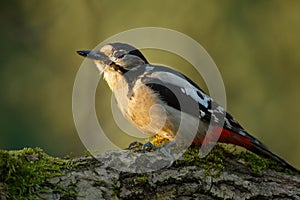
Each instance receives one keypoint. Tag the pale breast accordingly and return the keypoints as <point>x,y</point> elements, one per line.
<point>144,109</point>
<point>147,113</point>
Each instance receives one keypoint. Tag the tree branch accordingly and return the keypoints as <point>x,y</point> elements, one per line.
<point>121,175</point>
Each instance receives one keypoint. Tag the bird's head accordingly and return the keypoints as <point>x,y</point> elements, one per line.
<point>118,56</point>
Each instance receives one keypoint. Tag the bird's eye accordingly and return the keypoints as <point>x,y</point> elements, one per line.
<point>119,55</point>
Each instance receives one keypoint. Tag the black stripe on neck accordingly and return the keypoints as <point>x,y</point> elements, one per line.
<point>119,69</point>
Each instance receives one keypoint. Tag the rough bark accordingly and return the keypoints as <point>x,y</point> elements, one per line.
<point>91,178</point>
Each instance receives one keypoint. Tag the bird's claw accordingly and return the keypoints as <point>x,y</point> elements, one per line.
<point>164,149</point>
<point>149,145</point>
<point>135,146</point>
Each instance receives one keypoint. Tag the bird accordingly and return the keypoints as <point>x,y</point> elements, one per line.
<point>157,99</point>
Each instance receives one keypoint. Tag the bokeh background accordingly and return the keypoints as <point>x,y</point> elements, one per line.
<point>255,44</point>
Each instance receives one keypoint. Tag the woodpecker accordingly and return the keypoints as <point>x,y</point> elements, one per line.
<point>138,86</point>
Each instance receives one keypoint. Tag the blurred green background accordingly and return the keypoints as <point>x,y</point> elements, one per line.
<point>255,44</point>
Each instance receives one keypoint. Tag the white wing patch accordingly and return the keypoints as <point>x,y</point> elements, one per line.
<point>193,93</point>
<point>184,85</point>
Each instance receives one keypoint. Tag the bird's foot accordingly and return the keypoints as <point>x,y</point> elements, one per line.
<point>165,149</point>
<point>136,146</point>
<point>148,146</point>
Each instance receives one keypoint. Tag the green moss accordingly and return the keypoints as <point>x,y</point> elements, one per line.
<point>70,155</point>
<point>140,180</point>
<point>87,154</point>
<point>24,171</point>
<point>212,163</point>
<point>256,163</point>
<point>100,183</point>
<point>136,183</point>
<point>259,164</point>
<point>116,187</point>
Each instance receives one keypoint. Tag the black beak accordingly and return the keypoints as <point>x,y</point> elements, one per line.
<point>95,55</point>
<point>83,53</point>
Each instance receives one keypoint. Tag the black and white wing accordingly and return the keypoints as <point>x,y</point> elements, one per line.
<point>181,93</point>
